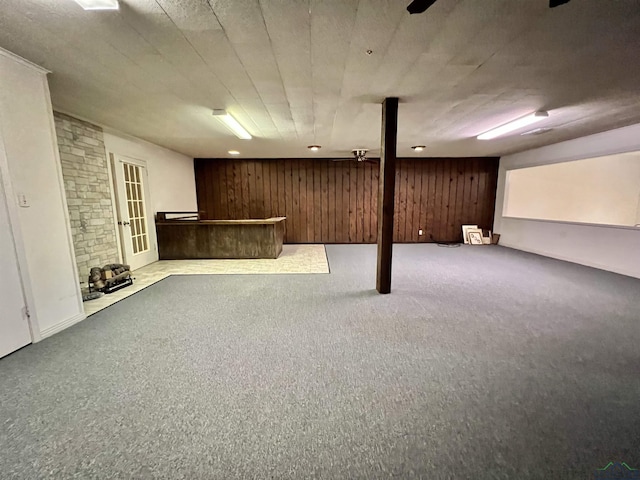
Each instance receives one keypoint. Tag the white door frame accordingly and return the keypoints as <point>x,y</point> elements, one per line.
<point>116,160</point>
<point>18,242</point>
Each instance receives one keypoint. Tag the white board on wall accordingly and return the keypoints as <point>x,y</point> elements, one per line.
<point>603,190</point>
<point>610,248</point>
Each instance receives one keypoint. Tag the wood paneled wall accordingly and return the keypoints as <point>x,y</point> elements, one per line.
<point>337,202</point>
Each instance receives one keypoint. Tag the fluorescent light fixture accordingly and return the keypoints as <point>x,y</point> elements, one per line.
<point>234,152</point>
<point>98,4</point>
<point>537,131</point>
<point>314,148</point>
<point>232,124</point>
<point>514,125</point>
<point>418,148</point>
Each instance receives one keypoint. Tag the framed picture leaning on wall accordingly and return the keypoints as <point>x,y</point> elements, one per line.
<point>465,232</point>
<point>475,237</point>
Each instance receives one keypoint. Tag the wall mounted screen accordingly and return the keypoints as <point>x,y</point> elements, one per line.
<point>602,190</point>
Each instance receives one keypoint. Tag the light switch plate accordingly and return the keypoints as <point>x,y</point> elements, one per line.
<point>22,200</point>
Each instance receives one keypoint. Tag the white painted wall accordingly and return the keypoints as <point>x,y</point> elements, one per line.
<point>616,249</point>
<point>45,244</point>
<point>172,182</point>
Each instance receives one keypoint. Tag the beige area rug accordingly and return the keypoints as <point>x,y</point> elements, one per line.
<point>307,259</point>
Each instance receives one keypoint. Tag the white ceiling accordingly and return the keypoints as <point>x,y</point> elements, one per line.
<point>296,72</point>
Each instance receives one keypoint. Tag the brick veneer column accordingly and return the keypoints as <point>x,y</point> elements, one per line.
<point>88,190</point>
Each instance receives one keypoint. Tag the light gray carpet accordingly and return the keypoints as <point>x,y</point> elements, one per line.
<point>484,362</point>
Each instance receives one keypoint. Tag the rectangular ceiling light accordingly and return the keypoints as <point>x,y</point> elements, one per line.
<point>232,124</point>
<point>98,4</point>
<point>514,125</point>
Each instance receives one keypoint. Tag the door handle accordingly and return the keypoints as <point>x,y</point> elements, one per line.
<point>124,224</point>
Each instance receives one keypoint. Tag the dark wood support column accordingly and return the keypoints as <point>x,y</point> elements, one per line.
<point>386,193</point>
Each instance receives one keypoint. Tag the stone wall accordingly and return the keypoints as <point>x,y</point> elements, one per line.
<point>86,180</point>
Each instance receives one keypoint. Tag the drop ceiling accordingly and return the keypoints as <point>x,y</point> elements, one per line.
<point>297,72</point>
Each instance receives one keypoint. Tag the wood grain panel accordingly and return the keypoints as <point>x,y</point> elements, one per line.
<point>397,207</point>
<point>337,202</point>
<point>266,189</point>
<point>331,172</point>
<point>367,172</point>
<point>339,213</point>
<point>353,218</point>
<point>324,200</point>
<point>375,180</point>
<point>412,203</point>
<point>317,205</point>
<point>223,207</point>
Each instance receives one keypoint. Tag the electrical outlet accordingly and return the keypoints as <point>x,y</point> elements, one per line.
<point>420,232</point>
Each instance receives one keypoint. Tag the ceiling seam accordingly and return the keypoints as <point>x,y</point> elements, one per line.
<point>275,58</point>
<point>501,47</point>
<point>412,66</point>
<point>245,68</point>
<point>313,103</point>
<point>174,92</point>
<point>344,72</point>
<point>66,42</point>
<point>391,38</point>
<point>204,61</point>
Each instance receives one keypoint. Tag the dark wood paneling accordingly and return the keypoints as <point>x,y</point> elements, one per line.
<point>337,202</point>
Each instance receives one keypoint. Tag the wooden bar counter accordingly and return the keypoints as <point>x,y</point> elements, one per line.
<point>185,236</point>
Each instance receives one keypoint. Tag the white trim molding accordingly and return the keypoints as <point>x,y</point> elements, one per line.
<point>58,327</point>
<point>23,61</point>
<point>61,188</point>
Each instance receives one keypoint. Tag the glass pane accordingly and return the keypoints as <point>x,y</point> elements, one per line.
<point>130,207</point>
<point>128,191</point>
<point>143,226</point>
<point>142,208</point>
<point>139,192</point>
<point>136,171</point>
<point>144,243</point>
<point>126,171</point>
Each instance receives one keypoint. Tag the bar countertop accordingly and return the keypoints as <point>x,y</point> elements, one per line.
<point>186,236</point>
<point>265,221</point>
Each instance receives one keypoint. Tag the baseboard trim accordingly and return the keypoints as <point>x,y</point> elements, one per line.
<point>47,332</point>
<point>619,271</point>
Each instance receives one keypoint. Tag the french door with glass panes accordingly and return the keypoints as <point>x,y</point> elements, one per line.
<point>135,220</point>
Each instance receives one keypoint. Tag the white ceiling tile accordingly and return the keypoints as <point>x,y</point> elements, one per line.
<point>296,71</point>
<point>191,15</point>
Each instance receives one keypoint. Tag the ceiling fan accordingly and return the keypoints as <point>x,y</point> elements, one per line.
<point>419,6</point>
<point>359,155</point>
